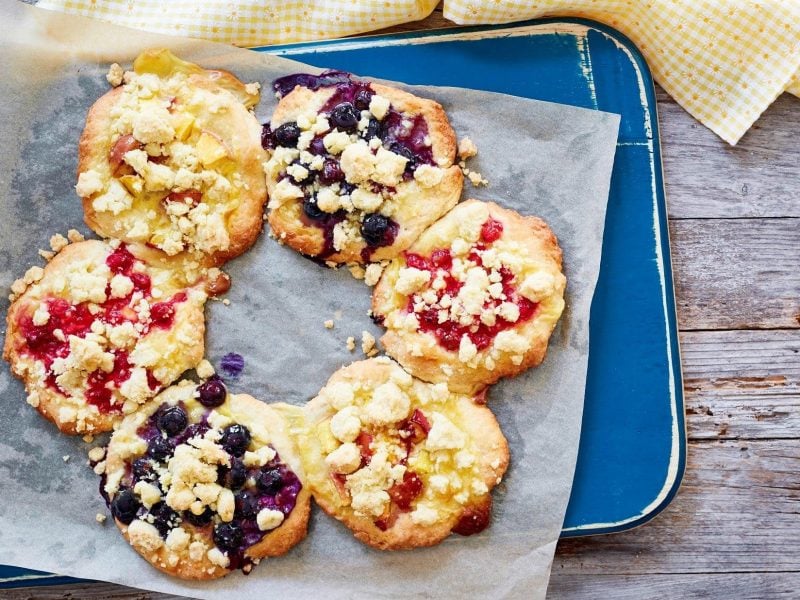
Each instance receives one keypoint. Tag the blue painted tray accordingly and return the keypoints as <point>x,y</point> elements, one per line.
<point>633,448</point>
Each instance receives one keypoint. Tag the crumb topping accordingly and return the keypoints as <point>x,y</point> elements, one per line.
<point>341,167</point>
<point>473,297</point>
<point>395,446</point>
<point>197,482</point>
<point>170,180</point>
<point>96,333</point>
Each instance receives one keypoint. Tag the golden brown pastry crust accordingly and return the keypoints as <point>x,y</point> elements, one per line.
<point>416,207</point>
<point>266,423</point>
<point>419,351</point>
<point>486,441</point>
<point>234,126</point>
<point>83,417</point>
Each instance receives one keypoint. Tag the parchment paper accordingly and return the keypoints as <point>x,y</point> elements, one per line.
<point>540,158</point>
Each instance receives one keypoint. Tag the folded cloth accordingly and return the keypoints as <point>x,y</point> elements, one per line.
<point>250,23</point>
<point>724,61</point>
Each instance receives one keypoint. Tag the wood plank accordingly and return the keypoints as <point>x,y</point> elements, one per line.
<point>84,591</point>
<point>707,178</point>
<point>737,511</point>
<point>741,384</point>
<point>742,586</point>
<point>737,273</point>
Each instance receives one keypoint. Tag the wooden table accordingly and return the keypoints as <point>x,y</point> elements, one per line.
<point>733,531</point>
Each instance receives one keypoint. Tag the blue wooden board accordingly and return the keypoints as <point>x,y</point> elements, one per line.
<point>633,449</point>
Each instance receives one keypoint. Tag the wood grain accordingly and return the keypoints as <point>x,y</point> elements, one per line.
<point>737,511</point>
<point>742,586</point>
<point>741,385</point>
<point>708,179</point>
<point>737,273</point>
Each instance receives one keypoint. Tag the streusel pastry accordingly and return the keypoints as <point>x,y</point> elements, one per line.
<point>401,462</point>
<point>476,297</point>
<point>101,330</point>
<point>172,158</point>
<point>357,170</point>
<point>202,482</point>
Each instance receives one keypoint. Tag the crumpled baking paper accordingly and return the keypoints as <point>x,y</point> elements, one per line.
<point>540,158</point>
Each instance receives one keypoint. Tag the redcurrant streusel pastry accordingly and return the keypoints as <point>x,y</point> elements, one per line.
<point>401,462</point>
<point>474,299</point>
<point>99,331</point>
<point>202,482</point>
<point>357,170</point>
<point>173,158</point>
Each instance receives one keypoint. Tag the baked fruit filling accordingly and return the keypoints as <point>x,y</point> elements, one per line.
<point>465,303</point>
<point>170,158</point>
<point>398,452</point>
<point>475,298</point>
<point>341,163</point>
<point>197,485</point>
<point>105,332</point>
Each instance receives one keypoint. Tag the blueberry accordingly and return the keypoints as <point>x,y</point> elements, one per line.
<point>311,209</point>
<point>362,99</point>
<point>317,147</point>
<point>143,469</point>
<point>228,536</point>
<point>235,477</point>
<point>200,520</point>
<point>345,116</point>
<point>398,148</point>
<point>373,130</point>
<point>124,506</point>
<point>331,172</point>
<point>159,449</point>
<point>235,439</point>
<point>287,135</point>
<point>164,518</point>
<point>373,228</point>
<point>347,188</point>
<point>172,420</point>
<point>212,393</point>
<point>270,481</point>
<point>247,505</point>
<point>266,136</point>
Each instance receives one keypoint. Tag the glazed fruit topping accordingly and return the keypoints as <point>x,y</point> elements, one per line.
<point>287,135</point>
<point>272,485</point>
<point>474,520</point>
<point>350,110</point>
<point>235,439</point>
<point>51,340</point>
<point>405,492</point>
<point>125,506</point>
<point>345,116</point>
<point>160,449</point>
<point>172,420</point>
<point>228,536</point>
<point>450,332</point>
<point>212,393</point>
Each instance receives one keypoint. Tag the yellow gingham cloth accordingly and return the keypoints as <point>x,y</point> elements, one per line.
<point>724,61</point>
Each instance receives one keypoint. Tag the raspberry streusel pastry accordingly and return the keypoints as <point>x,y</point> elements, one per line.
<point>357,170</point>
<point>401,462</point>
<point>173,158</point>
<point>474,299</point>
<point>202,482</point>
<point>101,330</point>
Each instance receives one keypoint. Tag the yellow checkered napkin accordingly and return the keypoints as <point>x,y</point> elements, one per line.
<point>250,22</point>
<point>724,61</point>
